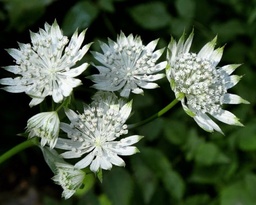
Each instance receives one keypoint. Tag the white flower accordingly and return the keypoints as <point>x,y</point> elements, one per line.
<point>69,178</point>
<point>45,125</point>
<point>44,67</point>
<point>127,65</point>
<point>200,84</point>
<point>93,133</point>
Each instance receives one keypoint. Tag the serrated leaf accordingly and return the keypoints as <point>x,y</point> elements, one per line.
<point>152,15</point>
<point>80,16</point>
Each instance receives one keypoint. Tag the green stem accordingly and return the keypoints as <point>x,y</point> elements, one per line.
<point>158,114</point>
<point>18,148</point>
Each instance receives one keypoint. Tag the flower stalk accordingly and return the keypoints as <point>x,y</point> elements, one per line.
<point>18,148</point>
<point>156,115</point>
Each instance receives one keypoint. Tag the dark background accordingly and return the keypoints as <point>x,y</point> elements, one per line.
<point>179,163</point>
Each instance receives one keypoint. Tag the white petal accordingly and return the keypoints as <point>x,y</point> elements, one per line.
<point>95,165</point>
<point>85,161</point>
<point>188,42</point>
<point>72,116</point>
<point>125,111</point>
<point>229,68</point>
<point>232,80</point>
<point>76,71</point>
<point>227,117</point>
<point>216,56</point>
<point>137,91</point>
<point>130,140</point>
<point>126,151</point>
<point>208,49</point>
<point>206,123</point>
<point>148,85</point>
<point>233,99</point>
<point>152,45</point>
<point>116,160</point>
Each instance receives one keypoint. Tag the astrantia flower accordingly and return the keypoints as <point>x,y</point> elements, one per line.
<point>44,67</point>
<point>93,133</point>
<point>200,84</point>
<point>46,126</point>
<point>69,177</point>
<point>127,65</point>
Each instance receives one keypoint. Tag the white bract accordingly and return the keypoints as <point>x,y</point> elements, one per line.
<point>127,65</point>
<point>44,66</point>
<point>200,84</point>
<point>45,125</point>
<point>69,178</point>
<point>93,133</point>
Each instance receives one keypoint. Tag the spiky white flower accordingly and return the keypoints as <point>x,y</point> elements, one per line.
<point>45,125</point>
<point>93,133</point>
<point>69,178</point>
<point>127,65</point>
<point>200,84</point>
<point>44,67</point>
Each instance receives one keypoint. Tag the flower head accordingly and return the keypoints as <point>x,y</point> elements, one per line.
<point>44,66</point>
<point>69,177</point>
<point>127,65</point>
<point>93,133</point>
<point>200,85</point>
<point>46,126</point>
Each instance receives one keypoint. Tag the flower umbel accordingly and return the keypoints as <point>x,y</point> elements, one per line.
<point>69,178</point>
<point>94,131</point>
<point>46,126</point>
<point>127,65</point>
<point>44,66</point>
<point>200,85</point>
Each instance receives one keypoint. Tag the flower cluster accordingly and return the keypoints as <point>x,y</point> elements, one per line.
<point>44,67</point>
<point>200,85</point>
<point>93,133</point>
<point>94,139</point>
<point>128,65</point>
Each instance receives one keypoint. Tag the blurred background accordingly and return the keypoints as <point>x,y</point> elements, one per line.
<point>179,164</point>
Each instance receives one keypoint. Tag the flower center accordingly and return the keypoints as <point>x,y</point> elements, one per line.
<point>200,81</point>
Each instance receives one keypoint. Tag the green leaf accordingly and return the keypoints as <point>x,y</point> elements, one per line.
<point>200,199</point>
<point>152,130</point>
<point>89,181</point>
<point>174,184</point>
<point>24,13</point>
<point>246,138</point>
<point>208,154</point>
<point>152,15</point>
<point>185,8</point>
<point>80,16</point>
<point>175,132</point>
<point>143,176</point>
<point>107,5</point>
<point>172,181</point>
<point>241,192</point>
<point>118,186</point>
